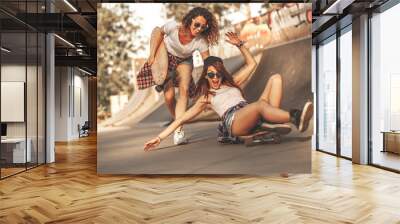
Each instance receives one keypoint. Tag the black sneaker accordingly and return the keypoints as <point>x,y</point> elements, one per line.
<point>295,117</point>
<point>302,118</point>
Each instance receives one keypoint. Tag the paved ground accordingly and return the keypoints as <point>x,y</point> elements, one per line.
<point>121,152</point>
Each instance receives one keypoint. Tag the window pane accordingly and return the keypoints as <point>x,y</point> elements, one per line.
<point>385,88</point>
<point>327,97</point>
<point>14,153</point>
<point>346,94</point>
<point>31,97</point>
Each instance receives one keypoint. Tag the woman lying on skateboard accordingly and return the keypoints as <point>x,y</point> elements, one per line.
<point>175,43</point>
<point>220,91</point>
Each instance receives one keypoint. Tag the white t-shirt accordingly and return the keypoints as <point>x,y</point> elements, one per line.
<point>225,98</point>
<point>175,47</point>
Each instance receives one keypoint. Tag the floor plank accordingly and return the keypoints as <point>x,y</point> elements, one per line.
<point>70,191</point>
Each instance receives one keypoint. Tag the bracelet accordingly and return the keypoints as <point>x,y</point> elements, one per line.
<point>159,138</point>
<point>240,44</point>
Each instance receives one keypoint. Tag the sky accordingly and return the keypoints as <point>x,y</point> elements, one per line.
<point>152,13</point>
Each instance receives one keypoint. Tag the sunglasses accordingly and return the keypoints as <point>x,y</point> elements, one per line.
<point>211,75</point>
<point>201,26</point>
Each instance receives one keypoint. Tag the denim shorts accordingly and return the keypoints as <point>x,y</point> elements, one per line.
<point>225,127</point>
<point>188,61</point>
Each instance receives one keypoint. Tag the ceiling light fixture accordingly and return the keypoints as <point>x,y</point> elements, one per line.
<point>65,41</point>
<point>84,71</point>
<point>70,5</point>
<point>5,50</point>
<point>337,7</point>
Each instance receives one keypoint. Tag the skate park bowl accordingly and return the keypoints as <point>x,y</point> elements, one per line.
<point>120,148</point>
<point>291,60</point>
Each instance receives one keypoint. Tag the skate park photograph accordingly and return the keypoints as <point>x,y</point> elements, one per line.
<point>146,123</point>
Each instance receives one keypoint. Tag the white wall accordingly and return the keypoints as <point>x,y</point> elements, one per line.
<point>33,127</point>
<point>12,101</point>
<point>61,103</point>
<point>12,73</point>
<point>16,73</point>
<point>71,93</point>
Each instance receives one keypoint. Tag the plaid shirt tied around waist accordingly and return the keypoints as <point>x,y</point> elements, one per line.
<point>145,78</point>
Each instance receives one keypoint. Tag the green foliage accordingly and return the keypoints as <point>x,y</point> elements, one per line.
<point>274,6</point>
<point>115,47</point>
<point>178,10</point>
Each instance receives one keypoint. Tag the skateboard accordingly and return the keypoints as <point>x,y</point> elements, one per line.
<point>159,68</point>
<point>266,133</point>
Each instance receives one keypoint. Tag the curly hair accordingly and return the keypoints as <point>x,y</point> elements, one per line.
<point>211,34</point>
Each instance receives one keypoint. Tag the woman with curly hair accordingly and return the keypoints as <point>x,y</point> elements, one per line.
<point>221,92</point>
<point>176,42</point>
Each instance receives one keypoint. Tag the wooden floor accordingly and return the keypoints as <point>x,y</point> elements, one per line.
<point>10,171</point>
<point>69,191</point>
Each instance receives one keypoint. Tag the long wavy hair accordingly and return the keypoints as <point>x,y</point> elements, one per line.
<point>203,87</point>
<point>211,34</point>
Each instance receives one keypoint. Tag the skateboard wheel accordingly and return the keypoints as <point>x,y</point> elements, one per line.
<point>277,139</point>
<point>159,88</point>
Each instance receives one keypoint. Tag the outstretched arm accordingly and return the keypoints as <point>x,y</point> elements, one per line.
<point>199,106</point>
<point>251,63</point>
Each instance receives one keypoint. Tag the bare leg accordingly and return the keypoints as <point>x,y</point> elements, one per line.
<point>247,117</point>
<point>169,97</point>
<point>272,93</point>
<point>184,72</point>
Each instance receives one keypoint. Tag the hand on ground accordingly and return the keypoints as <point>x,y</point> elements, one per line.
<point>152,144</point>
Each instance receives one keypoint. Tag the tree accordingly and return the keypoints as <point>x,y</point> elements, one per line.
<point>178,10</point>
<point>115,50</point>
<point>274,6</point>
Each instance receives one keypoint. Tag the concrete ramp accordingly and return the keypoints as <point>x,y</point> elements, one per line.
<point>292,61</point>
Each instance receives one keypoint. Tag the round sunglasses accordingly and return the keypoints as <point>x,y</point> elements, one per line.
<point>198,25</point>
<point>211,75</point>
